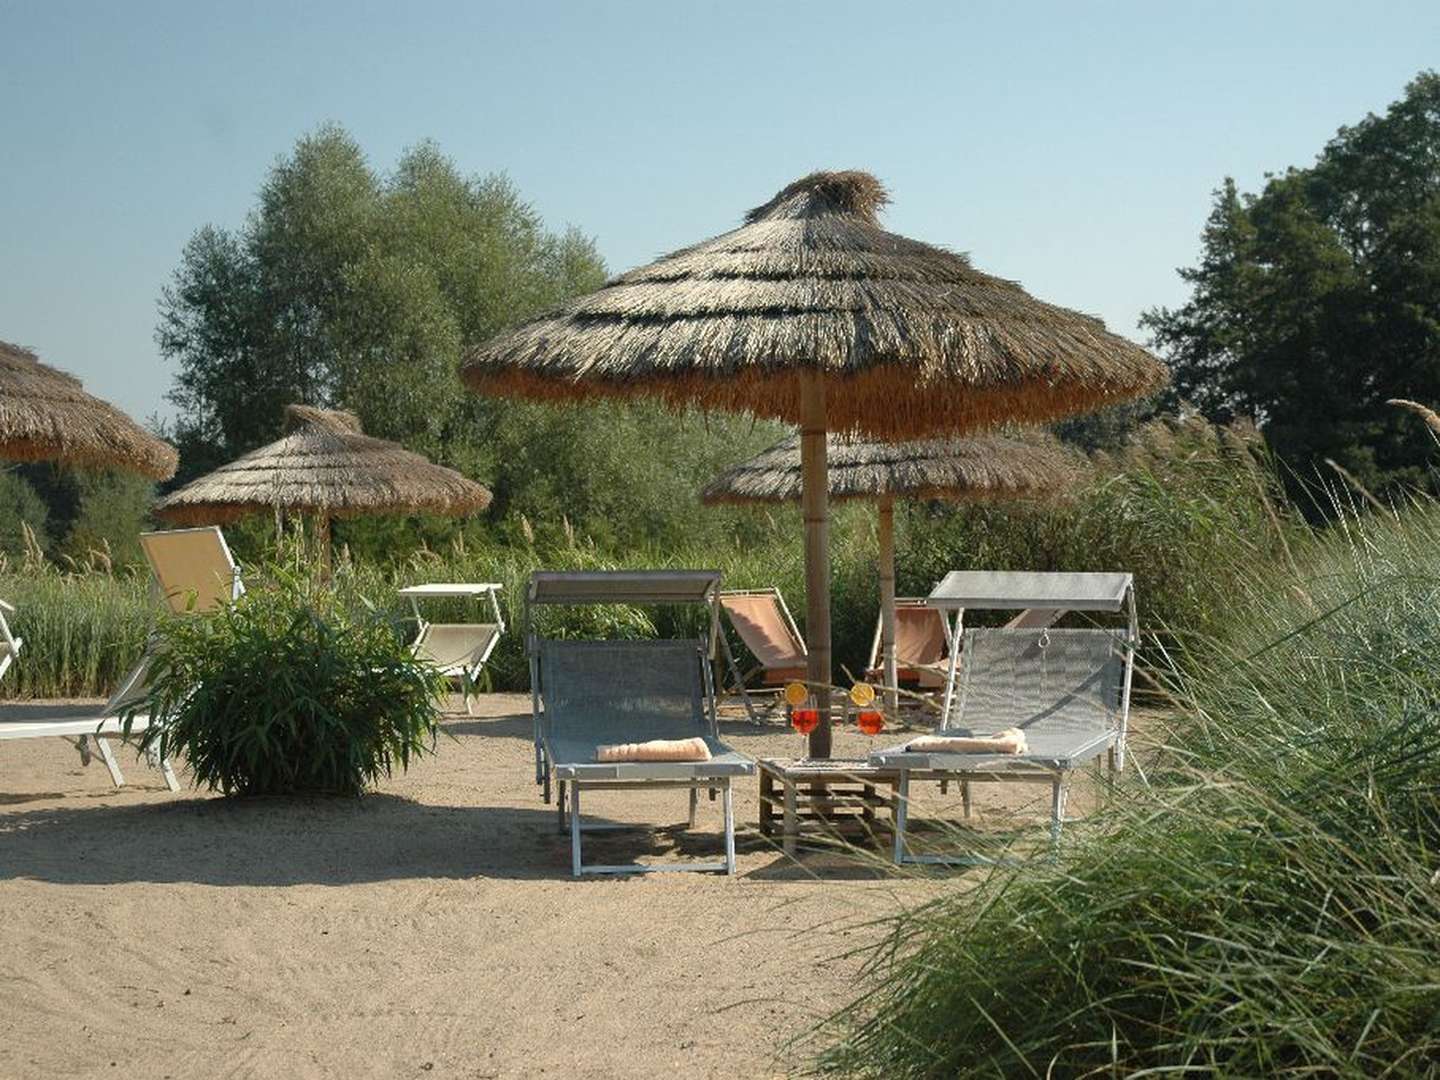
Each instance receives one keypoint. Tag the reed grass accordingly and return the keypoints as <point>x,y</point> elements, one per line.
<point>1185,522</point>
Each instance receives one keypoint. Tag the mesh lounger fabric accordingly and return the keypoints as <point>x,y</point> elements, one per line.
<point>599,693</point>
<point>1061,687</point>
<point>762,625</point>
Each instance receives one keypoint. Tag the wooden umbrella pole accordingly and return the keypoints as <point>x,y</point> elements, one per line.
<point>887,604</point>
<point>814,501</point>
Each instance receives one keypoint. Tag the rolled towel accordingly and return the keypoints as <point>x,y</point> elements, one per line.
<point>1009,741</point>
<point>656,750</point>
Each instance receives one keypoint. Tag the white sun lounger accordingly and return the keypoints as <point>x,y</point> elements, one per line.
<point>458,650</point>
<point>588,694</point>
<point>194,572</point>
<point>1068,690</point>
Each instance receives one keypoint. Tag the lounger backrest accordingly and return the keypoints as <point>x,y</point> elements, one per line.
<point>763,627</point>
<point>1061,681</point>
<point>451,645</point>
<point>193,568</point>
<point>622,691</point>
<point>919,636</point>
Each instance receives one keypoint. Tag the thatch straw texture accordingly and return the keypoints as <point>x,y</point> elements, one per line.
<point>325,466</point>
<point>914,340</point>
<point>980,467</point>
<point>45,415</point>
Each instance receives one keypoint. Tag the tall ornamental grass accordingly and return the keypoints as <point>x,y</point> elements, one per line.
<point>1260,898</point>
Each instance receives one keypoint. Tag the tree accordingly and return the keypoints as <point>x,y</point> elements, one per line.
<point>1319,298</point>
<point>349,288</point>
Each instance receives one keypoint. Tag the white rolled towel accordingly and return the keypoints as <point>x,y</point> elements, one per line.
<point>1009,741</point>
<point>656,750</point>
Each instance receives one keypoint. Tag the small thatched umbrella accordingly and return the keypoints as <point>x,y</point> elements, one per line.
<point>811,313</point>
<point>324,466</point>
<point>980,467</point>
<point>45,415</point>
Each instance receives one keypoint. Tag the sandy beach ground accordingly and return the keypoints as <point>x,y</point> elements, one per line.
<point>431,929</point>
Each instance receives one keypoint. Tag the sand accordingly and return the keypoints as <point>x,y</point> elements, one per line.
<point>431,929</point>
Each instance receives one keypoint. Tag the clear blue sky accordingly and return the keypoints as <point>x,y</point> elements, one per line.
<point>1072,146</point>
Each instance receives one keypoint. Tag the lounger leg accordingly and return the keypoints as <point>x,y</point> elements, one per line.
<point>1058,793</point>
<point>695,805</point>
<point>729,830</point>
<point>574,827</point>
<point>171,781</point>
<point>792,819</point>
<point>107,755</point>
<point>902,809</point>
<point>965,795</point>
<point>560,805</point>
<point>546,793</point>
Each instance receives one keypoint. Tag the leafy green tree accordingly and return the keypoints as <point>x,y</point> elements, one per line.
<point>348,287</point>
<point>1319,298</point>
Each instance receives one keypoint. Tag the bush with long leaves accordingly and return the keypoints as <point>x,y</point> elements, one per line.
<point>295,689</point>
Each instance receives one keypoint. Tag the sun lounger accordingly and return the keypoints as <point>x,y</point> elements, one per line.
<point>193,572</point>
<point>1067,690</point>
<point>459,650</point>
<point>594,694</point>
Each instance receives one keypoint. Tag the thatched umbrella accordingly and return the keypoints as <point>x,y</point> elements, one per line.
<point>45,415</point>
<point>976,468</point>
<point>811,313</point>
<point>325,467</point>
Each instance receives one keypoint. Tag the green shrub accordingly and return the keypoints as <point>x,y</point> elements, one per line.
<point>1260,900</point>
<point>294,689</point>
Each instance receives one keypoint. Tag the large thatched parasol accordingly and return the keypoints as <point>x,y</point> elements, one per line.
<point>976,468</point>
<point>812,313</point>
<point>45,415</point>
<point>324,466</point>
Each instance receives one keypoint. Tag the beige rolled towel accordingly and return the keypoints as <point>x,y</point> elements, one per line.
<point>1009,741</point>
<point>656,750</point>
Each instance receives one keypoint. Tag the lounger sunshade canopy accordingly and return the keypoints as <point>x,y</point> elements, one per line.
<point>1011,590</point>
<point>624,586</point>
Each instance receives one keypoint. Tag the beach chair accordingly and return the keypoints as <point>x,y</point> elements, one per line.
<point>193,572</point>
<point>768,631</point>
<point>922,644</point>
<point>458,650</point>
<point>9,643</point>
<point>1068,690</point>
<point>589,694</point>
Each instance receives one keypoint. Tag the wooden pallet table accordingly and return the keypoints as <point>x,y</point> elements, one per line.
<point>829,793</point>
